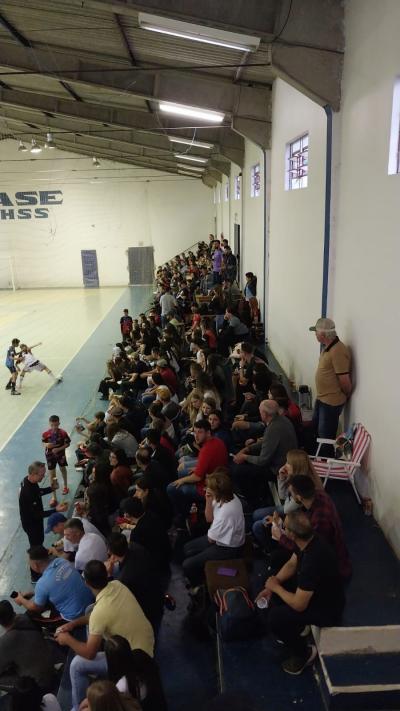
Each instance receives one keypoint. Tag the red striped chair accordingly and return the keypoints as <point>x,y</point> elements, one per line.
<point>341,468</point>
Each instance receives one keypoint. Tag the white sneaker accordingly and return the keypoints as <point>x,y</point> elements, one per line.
<point>59,379</point>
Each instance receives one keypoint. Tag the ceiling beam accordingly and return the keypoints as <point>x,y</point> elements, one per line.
<point>71,91</point>
<point>14,32</point>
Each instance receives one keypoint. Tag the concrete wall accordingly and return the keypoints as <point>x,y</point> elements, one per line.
<point>108,209</point>
<point>365,284</point>
<point>296,236</point>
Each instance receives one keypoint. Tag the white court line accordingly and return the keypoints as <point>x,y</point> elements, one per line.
<point>52,385</point>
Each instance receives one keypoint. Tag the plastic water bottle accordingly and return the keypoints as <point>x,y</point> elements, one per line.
<point>193,515</point>
<point>262,603</point>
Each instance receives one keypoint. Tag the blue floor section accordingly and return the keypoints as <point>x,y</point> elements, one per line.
<point>359,669</point>
<point>77,395</point>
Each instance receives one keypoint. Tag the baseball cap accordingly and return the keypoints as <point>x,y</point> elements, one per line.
<point>323,324</point>
<point>116,412</point>
<point>53,520</point>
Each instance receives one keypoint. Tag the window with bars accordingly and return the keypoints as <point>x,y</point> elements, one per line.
<point>255,181</point>
<point>226,192</point>
<point>297,163</point>
<point>238,186</point>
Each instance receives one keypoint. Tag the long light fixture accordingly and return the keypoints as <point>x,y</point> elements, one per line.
<point>191,167</point>
<point>189,142</point>
<point>198,33</point>
<point>95,162</point>
<point>22,147</point>
<point>35,148</point>
<point>191,112</point>
<point>187,156</point>
<point>49,141</point>
<point>187,172</point>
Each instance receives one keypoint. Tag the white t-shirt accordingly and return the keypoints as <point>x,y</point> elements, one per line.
<point>50,703</point>
<point>88,528</point>
<point>91,547</point>
<point>167,303</point>
<point>228,528</point>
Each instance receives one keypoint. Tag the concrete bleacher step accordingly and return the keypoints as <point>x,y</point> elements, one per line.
<point>359,666</point>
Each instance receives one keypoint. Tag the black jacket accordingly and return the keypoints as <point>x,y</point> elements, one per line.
<point>30,504</point>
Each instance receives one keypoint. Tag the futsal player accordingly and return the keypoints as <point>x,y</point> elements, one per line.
<point>11,365</point>
<point>55,442</point>
<point>30,363</point>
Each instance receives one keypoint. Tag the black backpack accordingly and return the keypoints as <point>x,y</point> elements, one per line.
<point>238,619</point>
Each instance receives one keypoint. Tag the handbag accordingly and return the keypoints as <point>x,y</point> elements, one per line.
<point>238,618</point>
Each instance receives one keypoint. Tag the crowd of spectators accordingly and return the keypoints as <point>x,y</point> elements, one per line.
<point>196,435</point>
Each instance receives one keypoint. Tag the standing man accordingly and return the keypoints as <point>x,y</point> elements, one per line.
<point>168,305</point>
<point>10,364</point>
<point>217,258</point>
<point>332,379</point>
<point>126,323</point>
<point>30,503</point>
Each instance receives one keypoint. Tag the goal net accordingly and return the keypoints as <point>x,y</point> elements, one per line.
<point>7,273</point>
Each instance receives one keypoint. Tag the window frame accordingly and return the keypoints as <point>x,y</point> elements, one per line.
<point>238,187</point>
<point>255,180</point>
<point>297,162</point>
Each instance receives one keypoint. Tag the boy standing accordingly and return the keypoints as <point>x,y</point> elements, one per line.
<point>126,323</point>
<point>56,442</point>
<point>10,364</point>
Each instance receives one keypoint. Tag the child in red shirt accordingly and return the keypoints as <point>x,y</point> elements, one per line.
<point>55,442</point>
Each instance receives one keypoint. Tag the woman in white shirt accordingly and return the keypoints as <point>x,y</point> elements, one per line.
<point>226,535</point>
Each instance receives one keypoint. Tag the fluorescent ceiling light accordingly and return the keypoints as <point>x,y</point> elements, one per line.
<point>49,141</point>
<point>190,167</point>
<point>191,112</point>
<point>35,148</point>
<point>198,33</point>
<point>187,156</point>
<point>189,142</point>
<point>22,147</point>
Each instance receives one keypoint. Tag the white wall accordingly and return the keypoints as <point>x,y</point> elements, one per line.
<point>365,288</point>
<point>296,236</point>
<point>253,220</point>
<point>108,209</point>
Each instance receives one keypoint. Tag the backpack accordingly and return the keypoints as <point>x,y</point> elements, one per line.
<point>238,619</point>
<point>344,444</point>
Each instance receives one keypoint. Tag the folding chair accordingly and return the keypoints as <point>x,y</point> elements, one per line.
<point>340,468</point>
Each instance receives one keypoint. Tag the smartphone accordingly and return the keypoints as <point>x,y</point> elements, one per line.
<point>229,572</point>
<point>14,594</point>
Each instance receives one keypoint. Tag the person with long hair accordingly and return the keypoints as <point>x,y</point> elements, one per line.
<point>297,462</point>
<point>226,536</point>
<point>27,696</point>
<point>191,405</point>
<point>103,695</point>
<point>134,672</point>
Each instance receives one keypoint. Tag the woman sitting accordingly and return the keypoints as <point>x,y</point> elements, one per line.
<point>226,535</point>
<point>135,673</point>
<point>121,475</point>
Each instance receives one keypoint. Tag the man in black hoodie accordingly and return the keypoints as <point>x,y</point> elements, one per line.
<point>23,651</point>
<point>30,503</point>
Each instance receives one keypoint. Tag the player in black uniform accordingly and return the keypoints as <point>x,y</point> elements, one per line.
<point>10,364</point>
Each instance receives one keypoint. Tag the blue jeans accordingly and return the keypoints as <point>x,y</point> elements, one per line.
<point>325,422</point>
<point>79,673</point>
<point>260,533</point>
<point>184,496</point>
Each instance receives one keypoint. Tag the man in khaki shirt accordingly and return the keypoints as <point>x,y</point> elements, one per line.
<point>332,379</point>
<point>115,612</point>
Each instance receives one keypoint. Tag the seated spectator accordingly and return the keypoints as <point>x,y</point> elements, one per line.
<point>115,372</point>
<point>278,392</point>
<point>96,507</point>
<point>219,429</point>
<point>149,467</point>
<point>190,486</point>
<point>56,524</point>
<point>136,673</point>
<point>323,516</point>
<point>191,406</point>
<point>28,695</point>
<point>168,375</point>
<point>135,568</point>
<point>21,636</point>
<point>148,531</point>
<point>60,586</point>
<point>231,292</point>
<point>116,612</point>
<point>208,334</point>
<point>151,491</point>
<point>217,306</point>
<point>208,405</point>
<point>225,537</point>
<point>162,454</point>
<point>260,462</point>
<point>90,546</point>
<point>297,462</point>
<point>233,332</point>
<point>170,409</point>
<point>121,439</point>
<point>216,373</point>
<point>121,475</point>
<point>317,597</point>
<point>103,695</point>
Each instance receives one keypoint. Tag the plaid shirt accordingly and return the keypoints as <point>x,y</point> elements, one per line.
<point>326,522</point>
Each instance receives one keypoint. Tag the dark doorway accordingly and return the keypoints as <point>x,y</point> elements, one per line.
<point>236,248</point>
<point>141,265</point>
<point>89,268</point>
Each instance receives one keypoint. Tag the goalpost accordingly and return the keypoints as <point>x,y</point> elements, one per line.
<point>7,273</point>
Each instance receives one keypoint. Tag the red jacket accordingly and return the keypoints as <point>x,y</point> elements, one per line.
<point>212,455</point>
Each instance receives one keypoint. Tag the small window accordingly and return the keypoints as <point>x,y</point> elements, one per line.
<point>237,187</point>
<point>394,148</point>
<point>255,181</point>
<point>226,192</point>
<point>297,163</point>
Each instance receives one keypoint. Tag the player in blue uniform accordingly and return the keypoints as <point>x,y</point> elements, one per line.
<point>11,365</point>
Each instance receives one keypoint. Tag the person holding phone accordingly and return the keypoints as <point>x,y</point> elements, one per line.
<point>225,537</point>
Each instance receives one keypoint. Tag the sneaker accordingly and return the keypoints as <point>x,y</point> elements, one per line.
<point>59,379</point>
<point>296,665</point>
<point>8,386</point>
<point>14,392</point>
<point>65,491</point>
